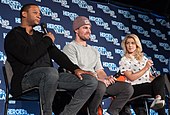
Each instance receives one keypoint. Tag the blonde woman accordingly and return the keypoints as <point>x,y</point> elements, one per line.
<point>136,67</point>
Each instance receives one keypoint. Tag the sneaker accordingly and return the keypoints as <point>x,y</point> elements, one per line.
<point>106,113</point>
<point>157,104</point>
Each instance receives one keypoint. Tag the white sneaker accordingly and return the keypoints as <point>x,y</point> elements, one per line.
<point>106,113</point>
<point>157,104</point>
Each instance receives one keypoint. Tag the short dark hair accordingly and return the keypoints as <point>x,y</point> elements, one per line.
<point>26,7</point>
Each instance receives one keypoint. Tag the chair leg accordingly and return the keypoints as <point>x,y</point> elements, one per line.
<point>41,108</point>
<point>146,106</point>
<point>6,103</point>
<point>6,108</point>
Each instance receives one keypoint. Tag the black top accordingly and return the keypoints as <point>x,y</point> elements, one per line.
<point>25,52</point>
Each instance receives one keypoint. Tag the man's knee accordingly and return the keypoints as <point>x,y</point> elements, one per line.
<point>90,80</point>
<point>101,88</point>
<point>52,74</point>
<point>129,89</point>
<point>126,88</point>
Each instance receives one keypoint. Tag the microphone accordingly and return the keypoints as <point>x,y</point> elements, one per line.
<point>44,27</point>
<point>154,73</point>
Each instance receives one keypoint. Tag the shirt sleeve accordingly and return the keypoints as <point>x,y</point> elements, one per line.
<point>70,51</point>
<point>62,59</point>
<point>124,65</point>
<point>98,64</point>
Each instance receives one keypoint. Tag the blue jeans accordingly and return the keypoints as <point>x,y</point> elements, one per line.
<point>83,90</point>
<point>46,79</point>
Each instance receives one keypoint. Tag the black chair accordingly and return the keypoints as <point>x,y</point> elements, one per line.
<point>31,94</point>
<point>144,98</point>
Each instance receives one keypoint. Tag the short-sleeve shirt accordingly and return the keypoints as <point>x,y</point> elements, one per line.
<point>86,57</point>
<point>127,64</point>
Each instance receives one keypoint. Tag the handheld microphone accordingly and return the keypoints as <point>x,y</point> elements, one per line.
<point>154,73</point>
<point>44,27</point>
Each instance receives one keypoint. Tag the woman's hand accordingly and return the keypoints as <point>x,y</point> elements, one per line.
<point>149,63</point>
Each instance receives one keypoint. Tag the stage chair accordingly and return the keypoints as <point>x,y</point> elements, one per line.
<point>145,98</point>
<point>31,94</point>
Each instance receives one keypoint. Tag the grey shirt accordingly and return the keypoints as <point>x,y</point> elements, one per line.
<point>86,57</point>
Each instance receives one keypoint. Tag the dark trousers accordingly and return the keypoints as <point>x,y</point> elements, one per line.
<point>156,87</point>
<point>82,89</point>
<point>123,91</point>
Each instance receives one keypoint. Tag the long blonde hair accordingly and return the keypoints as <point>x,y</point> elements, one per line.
<point>138,52</point>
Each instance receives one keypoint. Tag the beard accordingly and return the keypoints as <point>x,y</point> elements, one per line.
<point>84,39</point>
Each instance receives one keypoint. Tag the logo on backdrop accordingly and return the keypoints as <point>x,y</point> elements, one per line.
<point>48,12</point>
<point>99,21</point>
<point>119,51</point>
<point>18,112</point>
<point>158,33</point>
<point>14,5</point>
<point>83,4</point>
<point>71,15</point>
<point>2,94</point>
<point>146,18</point>
<point>110,66</point>
<point>149,44</point>
<point>63,3</point>
<point>141,30</point>
<point>165,46</point>
<point>104,52</point>
<point>5,23</point>
<point>121,26</point>
<point>59,29</point>
<point>93,38</point>
<point>127,14</point>
<point>2,56</point>
<point>163,22</point>
<point>109,37</point>
<point>106,10</point>
<point>161,58</point>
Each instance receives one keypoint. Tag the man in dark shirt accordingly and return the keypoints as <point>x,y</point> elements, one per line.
<point>30,54</point>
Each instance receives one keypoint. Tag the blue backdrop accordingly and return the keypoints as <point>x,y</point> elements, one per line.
<point>110,23</point>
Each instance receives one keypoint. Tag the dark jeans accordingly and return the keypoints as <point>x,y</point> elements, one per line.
<point>46,79</point>
<point>83,90</point>
<point>123,91</point>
